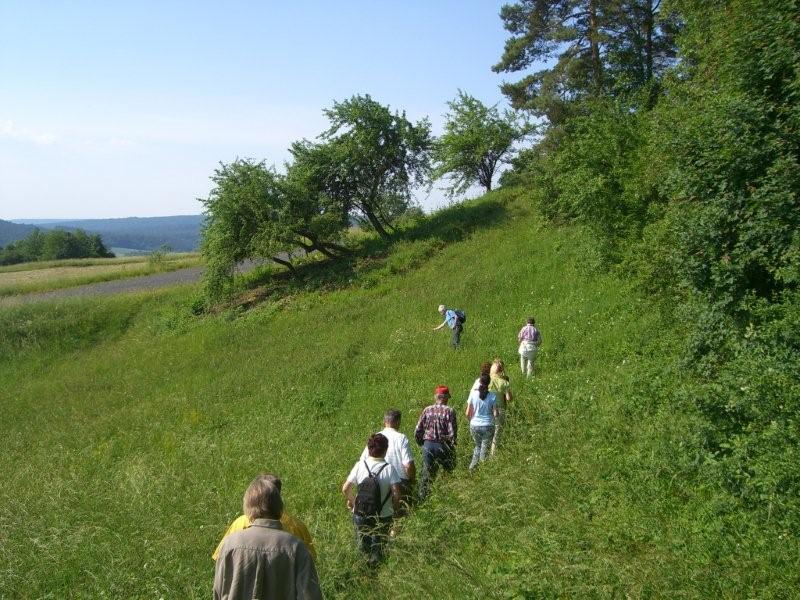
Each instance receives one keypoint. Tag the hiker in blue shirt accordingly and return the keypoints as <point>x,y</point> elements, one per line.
<point>454,319</point>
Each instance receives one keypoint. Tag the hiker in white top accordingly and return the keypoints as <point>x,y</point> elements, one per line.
<point>377,499</point>
<point>481,413</point>
<point>529,340</point>
<point>486,368</point>
<point>398,455</point>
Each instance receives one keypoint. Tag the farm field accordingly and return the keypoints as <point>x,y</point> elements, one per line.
<point>51,275</point>
<point>132,427</point>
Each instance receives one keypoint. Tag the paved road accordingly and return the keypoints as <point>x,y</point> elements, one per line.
<point>121,286</point>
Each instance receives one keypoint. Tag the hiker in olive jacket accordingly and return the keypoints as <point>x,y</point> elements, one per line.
<point>264,562</point>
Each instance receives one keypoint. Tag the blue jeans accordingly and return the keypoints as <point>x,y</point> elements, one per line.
<point>434,455</point>
<point>372,534</point>
<point>482,436</point>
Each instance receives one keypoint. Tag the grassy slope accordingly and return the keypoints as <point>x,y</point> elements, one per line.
<point>129,435</point>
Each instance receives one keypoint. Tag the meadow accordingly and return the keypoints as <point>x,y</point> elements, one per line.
<point>131,428</point>
<point>57,274</point>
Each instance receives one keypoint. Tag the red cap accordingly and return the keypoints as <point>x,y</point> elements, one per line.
<point>442,390</point>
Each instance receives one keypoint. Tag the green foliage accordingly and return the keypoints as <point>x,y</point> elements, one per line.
<point>146,427</point>
<point>253,212</point>
<point>242,201</point>
<point>696,197</point>
<point>591,48</point>
<point>157,258</point>
<point>368,162</point>
<point>598,175</point>
<point>477,139</point>
<point>369,159</point>
<point>54,245</point>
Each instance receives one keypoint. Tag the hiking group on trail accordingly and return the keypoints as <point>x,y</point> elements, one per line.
<point>266,553</point>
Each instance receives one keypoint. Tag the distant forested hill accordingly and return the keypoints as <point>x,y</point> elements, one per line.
<point>11,232</point>
<point>181,233</point>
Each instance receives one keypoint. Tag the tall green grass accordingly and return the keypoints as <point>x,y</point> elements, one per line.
<point>129,435</point>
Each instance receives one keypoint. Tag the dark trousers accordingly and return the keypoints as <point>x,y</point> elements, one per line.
<point>406,497</point>
<point>455,338</point>
<point>372,534</point>
<point>434,455</point>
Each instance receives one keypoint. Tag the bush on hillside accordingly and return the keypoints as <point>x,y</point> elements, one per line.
<point>697,197</point>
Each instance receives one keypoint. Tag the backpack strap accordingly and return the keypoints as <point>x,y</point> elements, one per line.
<point>375,475</point>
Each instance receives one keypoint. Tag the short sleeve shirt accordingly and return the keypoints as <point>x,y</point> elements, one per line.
<point>484,415</point>
<point>500,386</point>
<point>386,479</point>
<point>399,453</point>
<point>451,317</point>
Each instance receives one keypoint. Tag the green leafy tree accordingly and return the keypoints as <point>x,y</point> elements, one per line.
<point>254,212</point>
<point>243,199</point>
<point>641,45</point>
<point>543,31</point>
<point>54,245</point>
<point>477,139</point>
<point>591,47</point>
<point>369,159</point>
<point>312,219</point>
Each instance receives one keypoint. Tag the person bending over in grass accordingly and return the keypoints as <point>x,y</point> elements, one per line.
<point>481,413</point>
<point>291,525</point>
<point>501,387</point>
<point>436,432</point>
<point>398,455</point>
<point>377,483</point>
<point>529,340</point>
<point>264,562</point>
<point>455,320</point>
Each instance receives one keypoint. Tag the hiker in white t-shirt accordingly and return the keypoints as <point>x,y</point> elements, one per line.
<point>398,455</point>
<point>373,512</point>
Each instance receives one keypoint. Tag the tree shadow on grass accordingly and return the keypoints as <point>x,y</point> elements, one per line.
<point>373,257</point>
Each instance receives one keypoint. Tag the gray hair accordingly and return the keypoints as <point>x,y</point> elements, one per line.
<point>262,500</point>
<point>392,417</point>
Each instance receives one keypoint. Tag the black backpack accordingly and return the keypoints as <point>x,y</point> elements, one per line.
<point>368,499</point>
<point>461,315</point>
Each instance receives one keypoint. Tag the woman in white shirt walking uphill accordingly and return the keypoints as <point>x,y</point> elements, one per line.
<point>481,414</point>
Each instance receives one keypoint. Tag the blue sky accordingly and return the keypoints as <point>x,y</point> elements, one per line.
<point>111,109</point>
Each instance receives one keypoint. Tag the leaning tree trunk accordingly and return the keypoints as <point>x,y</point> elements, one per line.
<point>374,220</point>
<point>336,247</point>
<point>285,263</point>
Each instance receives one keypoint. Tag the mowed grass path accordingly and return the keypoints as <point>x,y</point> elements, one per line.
<point>53,275</point>
<point>128,438</point>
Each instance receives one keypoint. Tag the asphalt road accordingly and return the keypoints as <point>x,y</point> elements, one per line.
<point>121,286</point>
